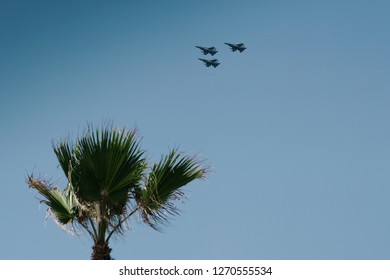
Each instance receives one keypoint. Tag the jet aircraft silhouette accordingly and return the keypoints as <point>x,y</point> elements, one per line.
<point>212,62</point>
<point>206,51</point>
<point>236,47</point>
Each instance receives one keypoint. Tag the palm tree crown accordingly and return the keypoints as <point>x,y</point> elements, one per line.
<point>109,180</point>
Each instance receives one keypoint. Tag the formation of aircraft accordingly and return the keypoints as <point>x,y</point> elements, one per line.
<point>212,62</point>
<point>236,47</point>
<point>210,50</point>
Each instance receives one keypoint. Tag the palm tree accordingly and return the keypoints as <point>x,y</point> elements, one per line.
<point>109,180</point>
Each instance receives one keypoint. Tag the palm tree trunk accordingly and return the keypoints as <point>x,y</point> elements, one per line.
<point>101,251</point>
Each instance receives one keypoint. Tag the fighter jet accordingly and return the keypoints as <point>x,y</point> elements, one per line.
<point>206,51</point>
<point>212,62</point>
<point>237,47</point>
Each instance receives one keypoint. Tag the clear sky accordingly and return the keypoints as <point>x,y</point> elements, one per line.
<point>296,127</point>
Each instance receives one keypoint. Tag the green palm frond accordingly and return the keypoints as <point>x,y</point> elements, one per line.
<point>62,204</point>
<point>63,151</point>
<point>103,166</point>
<point>164,184</point>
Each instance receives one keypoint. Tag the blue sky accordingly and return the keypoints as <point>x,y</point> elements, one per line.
<point>296,128</point>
